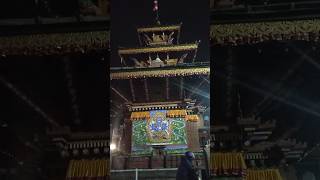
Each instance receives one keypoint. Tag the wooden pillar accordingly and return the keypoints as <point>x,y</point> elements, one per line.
<point>167,89</point>
<point>165,161</point>
<point>132,90</point>
<point>193,136</point>
<point>127,135</point>
<point>150,162</point>
<point>229,85</point>
<point>181,87</point>
<point>146,89</point>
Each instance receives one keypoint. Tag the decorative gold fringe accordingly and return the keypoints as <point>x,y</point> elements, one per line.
<point>54,44</point>
<point>177,113</point>
<point>88,168</point>
<point>242,33</point>
<point>172,48</point>
<point>170,113</point>
<point>159,28</point>
<point>160,73</point>
<point>227,164</point>
<point>193,118</point>
<point>268,174</point>
<point>140,115</point>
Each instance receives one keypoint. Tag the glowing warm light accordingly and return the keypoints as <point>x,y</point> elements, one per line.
<point>112,146</point>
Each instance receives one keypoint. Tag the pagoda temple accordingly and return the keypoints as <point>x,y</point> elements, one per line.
<point>158,109</point>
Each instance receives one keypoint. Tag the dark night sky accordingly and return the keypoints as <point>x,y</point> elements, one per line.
<point>126,15</point>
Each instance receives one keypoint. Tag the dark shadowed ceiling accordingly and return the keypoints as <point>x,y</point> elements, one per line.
<point>37,92</point>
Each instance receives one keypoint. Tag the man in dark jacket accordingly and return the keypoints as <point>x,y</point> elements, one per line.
<point>185,170</point>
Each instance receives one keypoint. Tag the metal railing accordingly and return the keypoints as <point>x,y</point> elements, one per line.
<point>149,162</point>
<point>136,172</point>
<point>165,173</point>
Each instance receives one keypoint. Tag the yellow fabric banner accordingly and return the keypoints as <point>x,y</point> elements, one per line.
<point>227,164</point>
<point>88,168</point>
<point>193,118</point>
<point>177,113</point>
<point>268,174</point>
<point>140,115</point>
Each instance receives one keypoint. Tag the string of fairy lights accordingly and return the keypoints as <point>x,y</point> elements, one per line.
<point>72,90</point>
<point>11,157</point>
<point>28,101</point>
<point>19,162</point>
<point>20,165</point>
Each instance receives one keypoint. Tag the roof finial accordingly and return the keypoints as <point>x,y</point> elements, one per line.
<point>156,9</point>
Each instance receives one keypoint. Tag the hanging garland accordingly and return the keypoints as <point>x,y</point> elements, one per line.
<point>29,102</point>
<point>72,90</point>
<point>54,44</point>
<point>252,33</point>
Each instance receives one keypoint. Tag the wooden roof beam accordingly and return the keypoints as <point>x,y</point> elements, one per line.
<point>132,90</point>
<point>181,87</point>
<point>119,94</point>
<point>146,89</point>
<point>167,89</point>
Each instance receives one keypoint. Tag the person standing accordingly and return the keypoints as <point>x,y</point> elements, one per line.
<point>186,170</point>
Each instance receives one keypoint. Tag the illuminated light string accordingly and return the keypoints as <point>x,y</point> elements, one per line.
<point>35,107</point>
<point>21,164</point>
<point>229,83</point>
<point>11,156</point>
<point>72,91</point>
<point>156,10</point>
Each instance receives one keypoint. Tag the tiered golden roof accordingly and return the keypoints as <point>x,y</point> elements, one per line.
<point>160,47</point>
<point>159,35</point>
